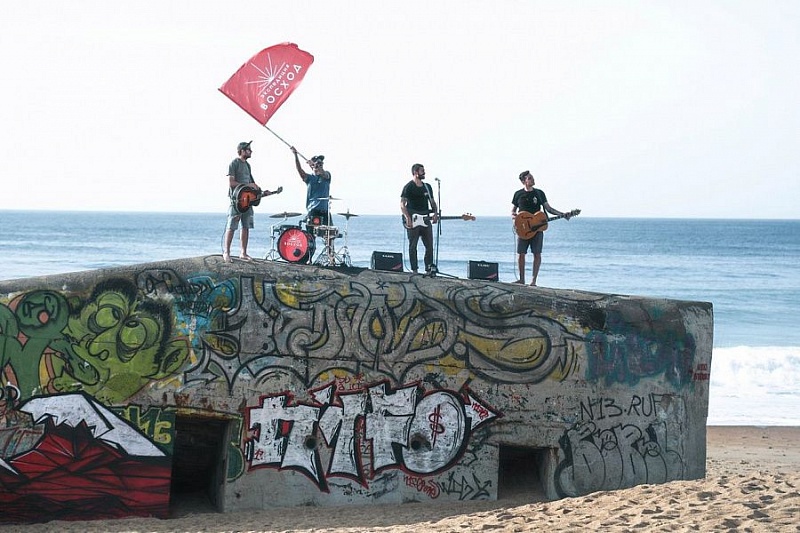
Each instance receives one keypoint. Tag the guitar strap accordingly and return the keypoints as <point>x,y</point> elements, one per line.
<point>428,194</point>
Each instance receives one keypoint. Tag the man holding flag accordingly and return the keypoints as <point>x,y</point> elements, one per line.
<point>260,87</point>
<point>318,188</point>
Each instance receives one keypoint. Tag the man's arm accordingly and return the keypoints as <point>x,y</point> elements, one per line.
<point>298,165</point>
<point>404,210</point>
<point>554,211</point>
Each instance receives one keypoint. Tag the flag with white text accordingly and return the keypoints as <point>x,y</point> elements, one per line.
<point>265,82</point>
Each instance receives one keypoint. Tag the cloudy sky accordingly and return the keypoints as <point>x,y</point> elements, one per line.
<point>621,109</point>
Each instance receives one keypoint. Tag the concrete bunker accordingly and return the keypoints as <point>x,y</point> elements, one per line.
<point>258,385</point>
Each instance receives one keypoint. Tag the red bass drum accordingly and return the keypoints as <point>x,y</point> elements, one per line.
<point>296,245</point>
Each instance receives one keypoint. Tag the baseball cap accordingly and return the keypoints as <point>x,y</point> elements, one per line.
<point>243,146</point>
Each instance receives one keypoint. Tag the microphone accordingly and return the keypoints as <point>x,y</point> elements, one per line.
<point>437,179</point>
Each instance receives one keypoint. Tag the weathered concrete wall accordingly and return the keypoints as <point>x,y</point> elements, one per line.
<point>336,386</point>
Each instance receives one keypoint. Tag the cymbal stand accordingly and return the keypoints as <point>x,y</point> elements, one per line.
<point>272,254</point>
<point>345,252</point>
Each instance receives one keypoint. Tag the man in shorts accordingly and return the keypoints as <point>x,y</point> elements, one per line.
<point>531,200</point>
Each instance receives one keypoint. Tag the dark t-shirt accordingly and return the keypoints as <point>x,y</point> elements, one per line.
<point>530,201</point>
<point>417,197</point>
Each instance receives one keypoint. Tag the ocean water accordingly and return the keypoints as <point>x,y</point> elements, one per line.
<point>747,268</point>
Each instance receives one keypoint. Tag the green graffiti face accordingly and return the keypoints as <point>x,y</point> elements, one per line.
<point>120,344</point>
<point>42,314</point>
<point>120,333</point>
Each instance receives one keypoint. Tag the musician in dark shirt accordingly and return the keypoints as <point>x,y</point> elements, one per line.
<point>417,199</point>
<point>531,200</point>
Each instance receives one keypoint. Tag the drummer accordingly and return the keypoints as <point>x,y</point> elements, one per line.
<point>318,187</point>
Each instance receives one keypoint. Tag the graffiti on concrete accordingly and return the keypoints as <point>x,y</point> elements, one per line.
<point>419,432</point>
<point>262,329</point>
<point>348,380</point>
<point>110,345</point>
<point>617,457</point>
<point>641,347</point>
<point>84,452</point>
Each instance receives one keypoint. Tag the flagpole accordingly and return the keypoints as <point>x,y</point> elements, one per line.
<point>284,142</point>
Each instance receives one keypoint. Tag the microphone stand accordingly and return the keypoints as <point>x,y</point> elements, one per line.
<point>434,268</point>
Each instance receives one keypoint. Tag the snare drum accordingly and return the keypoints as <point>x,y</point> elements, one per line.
<point>279,230</point>
<point>327,232</point>
<point>296,245</point>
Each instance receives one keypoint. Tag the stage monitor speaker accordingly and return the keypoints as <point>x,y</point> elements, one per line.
<point>482,270</point>
<point>389,261</point>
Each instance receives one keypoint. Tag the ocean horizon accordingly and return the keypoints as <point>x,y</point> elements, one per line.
<point>747,268</point>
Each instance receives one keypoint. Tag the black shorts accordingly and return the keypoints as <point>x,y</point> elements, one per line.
<point>534,243</point>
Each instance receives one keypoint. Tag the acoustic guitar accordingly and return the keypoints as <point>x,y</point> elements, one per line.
<point>246,196</point>
<point>425,220</point>
<point>527,225</point>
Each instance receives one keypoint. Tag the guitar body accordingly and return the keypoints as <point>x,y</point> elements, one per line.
<point>246,196</point>
<point>527,225</point>
<point>418,220</point>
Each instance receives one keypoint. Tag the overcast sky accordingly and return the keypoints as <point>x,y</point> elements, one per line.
<point>621,109</point>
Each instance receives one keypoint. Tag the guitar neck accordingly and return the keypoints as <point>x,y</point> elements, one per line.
<point>574,212</point>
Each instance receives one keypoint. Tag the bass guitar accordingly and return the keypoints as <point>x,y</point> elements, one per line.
<point>246,196</point>
<point>527,225</point>
<point>418,220</point>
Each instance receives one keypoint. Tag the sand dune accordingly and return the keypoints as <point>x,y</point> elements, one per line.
<point>752,484</point>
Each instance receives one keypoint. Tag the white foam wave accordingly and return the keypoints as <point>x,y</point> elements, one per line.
<point>755,385</point>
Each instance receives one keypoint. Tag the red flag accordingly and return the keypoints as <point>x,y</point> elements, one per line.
<point>264,83</point>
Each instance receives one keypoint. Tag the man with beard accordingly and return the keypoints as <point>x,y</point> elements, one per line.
<point>417,199</point>
<point>238,174</point>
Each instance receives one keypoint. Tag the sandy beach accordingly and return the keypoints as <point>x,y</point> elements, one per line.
<point>752,484</point>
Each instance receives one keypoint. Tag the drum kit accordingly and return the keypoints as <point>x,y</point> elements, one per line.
<point>296,243</point>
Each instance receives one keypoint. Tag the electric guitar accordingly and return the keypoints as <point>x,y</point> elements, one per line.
<point>246,196</point>
<point>425,220</point>
<point>526,225</point>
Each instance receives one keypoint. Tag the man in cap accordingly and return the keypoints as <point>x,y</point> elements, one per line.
<point>239,173</point>
<point>318,189</point>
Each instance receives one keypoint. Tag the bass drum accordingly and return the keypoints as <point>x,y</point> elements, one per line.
<point>296,245</point>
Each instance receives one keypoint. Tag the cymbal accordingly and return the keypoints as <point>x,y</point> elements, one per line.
<point>285,214</point>
<point>347,215</point>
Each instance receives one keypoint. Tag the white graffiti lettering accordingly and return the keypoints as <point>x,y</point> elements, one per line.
<point>405,428</point>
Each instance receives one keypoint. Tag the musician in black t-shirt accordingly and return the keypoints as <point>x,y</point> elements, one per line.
<point>531,200</point>
<point>417,199</point>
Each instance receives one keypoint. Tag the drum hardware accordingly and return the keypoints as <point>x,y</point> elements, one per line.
<point>328,255</point>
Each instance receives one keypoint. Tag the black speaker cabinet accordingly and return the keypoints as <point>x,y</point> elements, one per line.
<point>482,270</point>
<point>390,261</point>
